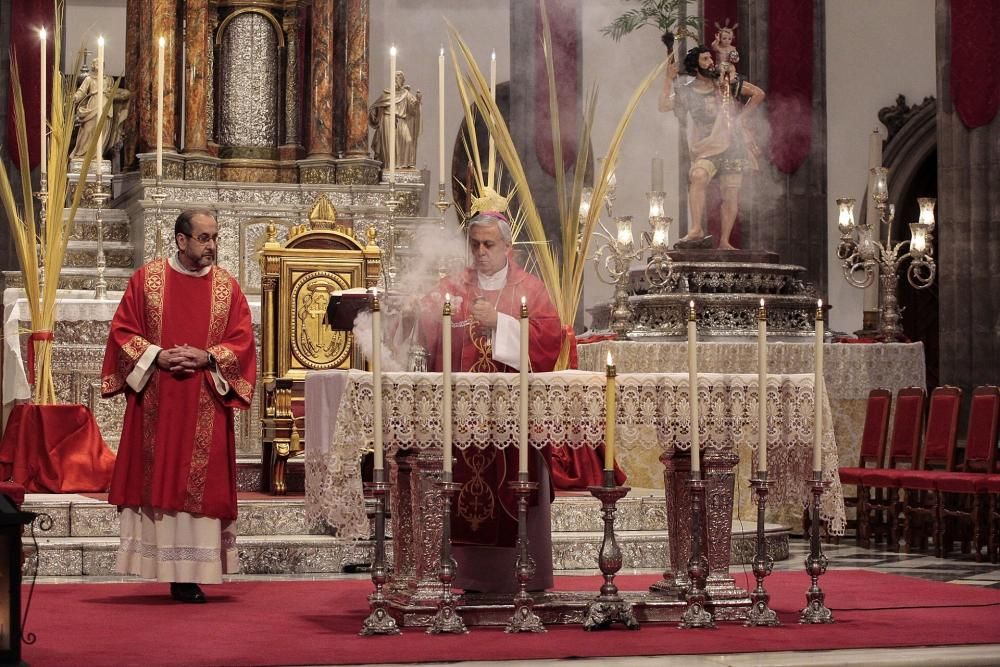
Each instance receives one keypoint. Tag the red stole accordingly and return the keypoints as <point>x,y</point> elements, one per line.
<point>178,448</point>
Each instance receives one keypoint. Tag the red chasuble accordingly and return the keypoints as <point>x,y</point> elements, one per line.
<point>178,446</point>
<point>485,511</point>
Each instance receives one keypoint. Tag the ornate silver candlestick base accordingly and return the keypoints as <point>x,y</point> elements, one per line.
<point>697,615</point>
<point>100,285</point>
<point>760,614</point>
<point>815,610</point>
<point>447,618</point>
<point>524,618</point>
<point>389,264</point>
<point>158,195</point>
<point>43,199</point>
<point>379,622</point>
<point>609,607</point>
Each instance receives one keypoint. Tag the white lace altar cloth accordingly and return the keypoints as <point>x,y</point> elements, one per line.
<point>566,409</point>
<point>850,371</point>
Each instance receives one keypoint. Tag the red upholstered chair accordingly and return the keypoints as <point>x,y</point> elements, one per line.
<point>919,495</point>
<point>990,484</point>
<point>960,504</point>
<point>881,507</point>
<point>872,453</point>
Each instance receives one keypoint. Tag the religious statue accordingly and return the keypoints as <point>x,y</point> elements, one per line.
<point>719,141</point>
<point>722,45</point>
<point>87,113</point>
<point>407,125</point>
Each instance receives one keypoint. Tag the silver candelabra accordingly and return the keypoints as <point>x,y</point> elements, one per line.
<point>861,250</point>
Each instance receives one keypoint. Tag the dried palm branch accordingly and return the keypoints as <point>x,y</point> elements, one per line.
<point>60,209</point>
<point>563,276</point>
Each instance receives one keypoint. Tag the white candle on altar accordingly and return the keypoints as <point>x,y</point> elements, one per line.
<point>377,379</point>
<point>874,161</point>
<point>611,401</point>
<point>657,175</point>
<point>159,108</point>
<point>525,363</point>
<point>762,388</point>
<point>100,102</point>
<point>818,392</point>
<point>42,163</point>
<point>693,386</point>
<point>392,114</point>
<point>442,179</point>
<point>446,383</point>
<point>491,166</point>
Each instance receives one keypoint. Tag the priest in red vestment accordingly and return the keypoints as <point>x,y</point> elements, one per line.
<point>486,309</point>
<point>182,349</point>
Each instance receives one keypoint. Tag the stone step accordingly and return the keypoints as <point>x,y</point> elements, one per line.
<point>305,554</point>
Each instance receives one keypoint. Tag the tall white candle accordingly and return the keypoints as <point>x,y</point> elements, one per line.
<point>611,414</point>
<point>159,108</point>
<point>392,114</point>
<point>377,379</point>
<point>446,382</point>
<point>442,178</point>
<point>100,103</point>
<point>762,387</point>
<point>525,363</point>
<point>871,213</point>
<point>693,387</point>
<point>818,393</point>
<point>657,174</point>
<point>491,167</point>
<point>43,105</point>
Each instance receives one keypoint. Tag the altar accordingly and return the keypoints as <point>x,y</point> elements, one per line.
<point>567,409</point>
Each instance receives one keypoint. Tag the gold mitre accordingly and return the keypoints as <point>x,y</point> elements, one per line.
<point>489,200</point>
<point>323,214</point>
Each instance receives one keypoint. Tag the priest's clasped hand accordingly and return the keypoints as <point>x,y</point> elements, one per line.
<point>183,359</point>
<point>484,313</point>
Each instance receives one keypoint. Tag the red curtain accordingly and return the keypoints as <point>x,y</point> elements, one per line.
<point>27,16</point>
<point>790,82</point>
<point>564,27</point>
<point>975,89</point>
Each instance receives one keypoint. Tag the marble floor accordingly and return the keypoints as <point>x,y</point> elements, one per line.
<point>957,569</point>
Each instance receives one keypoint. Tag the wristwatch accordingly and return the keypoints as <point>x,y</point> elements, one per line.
<point>211,360</point>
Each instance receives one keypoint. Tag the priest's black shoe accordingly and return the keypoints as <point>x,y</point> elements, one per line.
<point>187,593</point>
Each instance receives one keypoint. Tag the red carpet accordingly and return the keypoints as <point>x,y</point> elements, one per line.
<point>316,622</point>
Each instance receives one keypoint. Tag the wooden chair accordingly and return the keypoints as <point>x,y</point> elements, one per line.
<point>961,504</point>
<point>919,516</point>
<point>872,452</point>
<point>990,485</point>
<point>878,511</point>
<point>298,278</point>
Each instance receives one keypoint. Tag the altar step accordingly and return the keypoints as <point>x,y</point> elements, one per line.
<point>274,538</point>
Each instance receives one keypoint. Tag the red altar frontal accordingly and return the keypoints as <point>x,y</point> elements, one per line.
<point>567,409</point>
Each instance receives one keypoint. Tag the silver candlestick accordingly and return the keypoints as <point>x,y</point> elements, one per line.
<point>815,610</point>
<point>524,618</point>
<point>43,199</point>
<point>390,267</point>
<point>697,615</point>
<point>447,618</point>
<point>609,607</point>
<point>379,621</point>
<point>100,285</point>
<point>760,614</point>
<point>158,195</point>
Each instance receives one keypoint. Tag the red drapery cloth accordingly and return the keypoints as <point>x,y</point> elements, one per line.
<point>790,82</point>
<point>26,17</point>
<point>563,24</point>
<point>975,88</point>
<point>55,449</point>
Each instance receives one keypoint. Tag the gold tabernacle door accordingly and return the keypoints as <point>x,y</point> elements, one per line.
<point>298,278</point>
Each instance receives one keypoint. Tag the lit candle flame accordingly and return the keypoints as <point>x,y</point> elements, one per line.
<point>762,303</point>
<point>524,301</point>
<point>42,34</point>
<point>611,361</point>
<point>447,298</point>
<point>392,50</point>
<point>163,41</point>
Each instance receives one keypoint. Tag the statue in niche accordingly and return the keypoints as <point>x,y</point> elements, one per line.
<point>407,125</point>
<point>87,113</point>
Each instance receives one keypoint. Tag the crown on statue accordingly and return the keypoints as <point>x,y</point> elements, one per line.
<point>323,214</point>
<point>489,200</point>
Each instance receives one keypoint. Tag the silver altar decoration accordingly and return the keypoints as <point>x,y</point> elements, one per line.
<point>524,618</point>
<point>248,95</point>
<point>760,613</point>
<point>612,262</point>
<point>863,255</point>
<point>609,606</point>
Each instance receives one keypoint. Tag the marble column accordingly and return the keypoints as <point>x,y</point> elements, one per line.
<point>321,100</point>
<point>196,77</point>
<point>165,25</point>
<point>146,81</point>
<point>356,64</point>
<point>967,234</point>
<point>133,51</point>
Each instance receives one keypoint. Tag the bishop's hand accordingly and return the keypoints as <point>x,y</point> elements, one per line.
<point>484,313</point>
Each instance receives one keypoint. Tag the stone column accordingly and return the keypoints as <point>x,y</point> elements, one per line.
<point>967,233</point>
<point>321,75</point>
<point>133,58</point>
<point>145,94</point>
<point>356,111</point>
<point>196,77</point>
<point>290,23</point>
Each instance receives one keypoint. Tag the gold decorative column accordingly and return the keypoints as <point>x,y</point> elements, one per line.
<point>289,150</point>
